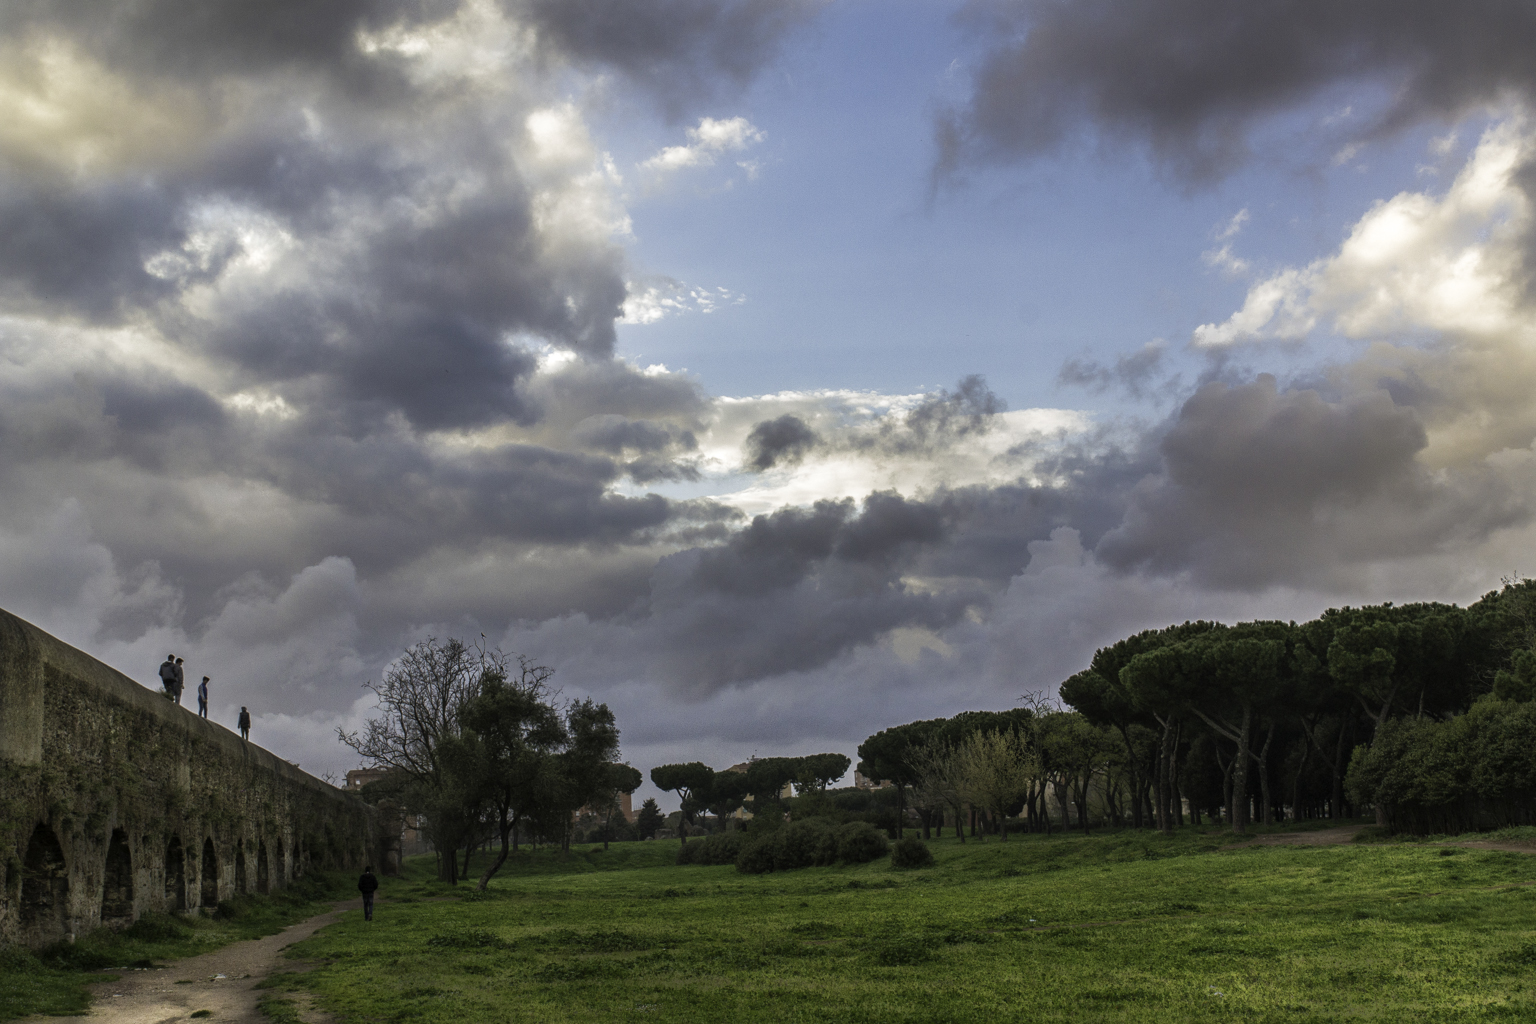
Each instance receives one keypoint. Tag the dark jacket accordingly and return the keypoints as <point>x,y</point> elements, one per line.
<point>368,883</point>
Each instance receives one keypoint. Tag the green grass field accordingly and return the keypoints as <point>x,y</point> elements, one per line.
<point>1114,927</point>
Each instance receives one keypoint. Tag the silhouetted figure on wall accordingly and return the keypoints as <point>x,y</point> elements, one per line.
<point>181,680</point>
<point>168,676</point>
<point>245,724</point>
<point>367,885</point>
<point>202,697</point>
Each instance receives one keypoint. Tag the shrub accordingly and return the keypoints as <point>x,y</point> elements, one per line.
<point>859,842</point>
<point>811,842</point>
<point>1474,771</point>
<point>911,852</point>
<point>717,849</point>
<point>755,858</point>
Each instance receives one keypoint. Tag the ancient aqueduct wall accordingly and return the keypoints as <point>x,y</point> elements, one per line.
<point>115,802</point>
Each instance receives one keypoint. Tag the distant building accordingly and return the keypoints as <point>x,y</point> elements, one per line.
<point>413,838</point>
<point>357,778</point>
<point>860,782</point>
<point>626,807</point>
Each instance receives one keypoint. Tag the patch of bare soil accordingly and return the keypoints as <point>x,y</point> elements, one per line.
<point>222,982</point>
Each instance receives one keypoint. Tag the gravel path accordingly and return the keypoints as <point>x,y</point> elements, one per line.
<point>222,982</point>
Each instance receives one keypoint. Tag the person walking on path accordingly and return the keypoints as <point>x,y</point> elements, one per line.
<point>202,697</point>
<point>368,885</point>
<point>181,680</point>
<point>168,676</point>
<point>244,723</point>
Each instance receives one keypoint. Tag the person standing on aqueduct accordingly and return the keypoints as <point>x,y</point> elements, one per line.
<point>202,697</point>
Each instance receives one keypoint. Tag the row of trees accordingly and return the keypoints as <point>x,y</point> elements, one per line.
<point>762,784</point>
<point>476,742</point>
<point>1253,720</point>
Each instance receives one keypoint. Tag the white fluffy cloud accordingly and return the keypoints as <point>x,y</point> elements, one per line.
<point>1414,263</point>
<point>711,139</point>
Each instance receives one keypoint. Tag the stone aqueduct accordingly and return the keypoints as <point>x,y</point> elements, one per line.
<point>115,802</point>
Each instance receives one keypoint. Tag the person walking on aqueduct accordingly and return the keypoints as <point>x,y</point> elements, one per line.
<point>244,723</point>
<point>168,676</point>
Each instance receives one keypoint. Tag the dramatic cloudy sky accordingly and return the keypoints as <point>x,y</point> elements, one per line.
<point>776,370</point>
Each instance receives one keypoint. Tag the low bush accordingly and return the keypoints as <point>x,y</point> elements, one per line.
<point>812,842</point>
<point>723,848</point>
<point>859,842</point>
<point>911,852</point>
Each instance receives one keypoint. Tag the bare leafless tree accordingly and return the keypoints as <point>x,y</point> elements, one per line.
<point>417,733</point>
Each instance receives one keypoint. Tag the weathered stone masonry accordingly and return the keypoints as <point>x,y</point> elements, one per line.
<point>115,801</point>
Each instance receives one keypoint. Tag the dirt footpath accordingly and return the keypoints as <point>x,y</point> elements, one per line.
<point>222,982</point>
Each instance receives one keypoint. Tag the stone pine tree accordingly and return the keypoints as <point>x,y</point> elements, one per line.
<point>690,782</point>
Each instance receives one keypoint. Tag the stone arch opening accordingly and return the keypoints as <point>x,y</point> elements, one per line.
<point>263,877</point>
<point>240,868</point>
<point>210,875</point>
<point>175,875</point>
<point>280,864</point>
<point>44,889</point>
<point>117,882</point>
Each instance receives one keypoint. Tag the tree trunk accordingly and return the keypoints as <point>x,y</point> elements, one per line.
<point>1336,807</point>
<point>1173,777</point>
<point>1130,760</point>
<point>1263,760</point>
<point>1165,777</point>
<point>1226,782</point>
<point>506,828</point>
<point>1301,769</point>
<point>1240,773</point>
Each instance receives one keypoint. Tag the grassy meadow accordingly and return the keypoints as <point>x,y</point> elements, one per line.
<point>1112,927</point>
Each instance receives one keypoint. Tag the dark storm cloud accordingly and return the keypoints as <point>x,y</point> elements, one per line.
<point>613,433</point>
<point>1262,486</point>
<point>680,49</point>
<point>84,250</point>
<point>781,441</point>
<point>947,415</point>
<point>235,37</point>
<point>794,590</point>
<point>1190,78</point>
